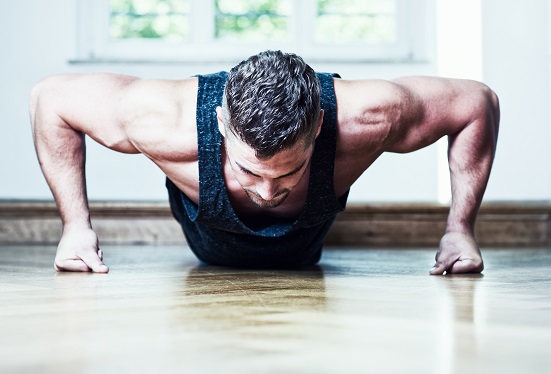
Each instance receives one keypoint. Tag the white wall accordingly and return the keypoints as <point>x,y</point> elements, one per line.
<point>40,39</point>
<point>516,66</point>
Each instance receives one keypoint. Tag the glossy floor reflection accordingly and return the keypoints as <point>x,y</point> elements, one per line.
<point>360,311</point>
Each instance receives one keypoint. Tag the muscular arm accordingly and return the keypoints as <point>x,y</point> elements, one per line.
<point>62,110</point>
<point>468,113</point>
<point>411,113</point>
<point>124,114</point>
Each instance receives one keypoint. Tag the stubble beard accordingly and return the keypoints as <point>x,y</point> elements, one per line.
<point>273,203</point>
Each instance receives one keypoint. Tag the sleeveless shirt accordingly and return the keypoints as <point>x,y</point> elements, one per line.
<point>213,230</point>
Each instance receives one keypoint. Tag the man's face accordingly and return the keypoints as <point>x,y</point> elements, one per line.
<point>268,182</point>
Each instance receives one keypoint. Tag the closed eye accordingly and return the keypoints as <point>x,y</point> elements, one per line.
<point>247,171</point>
<point>291,173</point>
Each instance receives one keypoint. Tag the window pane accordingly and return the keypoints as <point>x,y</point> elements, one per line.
<point>166,19</point>
<point>252,20</point>
<point>353,21</point>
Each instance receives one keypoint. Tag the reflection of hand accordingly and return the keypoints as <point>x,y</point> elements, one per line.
<point>79,250</point>
<point>458,253</point>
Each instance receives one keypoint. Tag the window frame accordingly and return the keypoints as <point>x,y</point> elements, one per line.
<point>94,44</point>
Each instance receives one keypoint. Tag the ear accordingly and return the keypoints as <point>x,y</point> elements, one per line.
<point>219,117</point>
<point>320,121</point>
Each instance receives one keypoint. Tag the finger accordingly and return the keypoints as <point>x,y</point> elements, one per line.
<point>442,265</point>
<point>438,269</point>
<point>100,254</point>
<point>466,266</point>
<point>71,265</point>
<point>93,261</point>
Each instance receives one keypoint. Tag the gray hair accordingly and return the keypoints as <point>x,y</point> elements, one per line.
<point>272,101</point>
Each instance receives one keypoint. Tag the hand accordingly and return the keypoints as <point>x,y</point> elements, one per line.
<point>79,250</point>
<point>458,253</point>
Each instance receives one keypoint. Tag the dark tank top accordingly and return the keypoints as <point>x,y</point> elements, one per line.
<point>213,230</point>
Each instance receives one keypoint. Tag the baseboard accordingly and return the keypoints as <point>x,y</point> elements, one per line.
<point>30,222</point>
<point>498,224</point>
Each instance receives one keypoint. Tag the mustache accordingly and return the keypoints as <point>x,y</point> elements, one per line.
<point>273,203</point>
<point>280,193</point>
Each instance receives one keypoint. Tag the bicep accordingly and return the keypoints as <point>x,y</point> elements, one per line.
<point>433,108</point>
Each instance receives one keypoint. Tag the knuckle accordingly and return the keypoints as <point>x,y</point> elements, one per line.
<point>58,265</point>
<point>478,264</point>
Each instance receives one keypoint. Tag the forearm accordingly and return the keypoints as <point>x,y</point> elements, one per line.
<point>471,154</point>
<point>61,154</point>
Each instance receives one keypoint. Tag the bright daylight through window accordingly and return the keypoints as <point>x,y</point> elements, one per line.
<point>191,29</point>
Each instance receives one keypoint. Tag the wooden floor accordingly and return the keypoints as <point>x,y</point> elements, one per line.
<point>360,311</point>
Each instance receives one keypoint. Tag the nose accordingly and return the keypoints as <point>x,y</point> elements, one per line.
<point>267,189</point>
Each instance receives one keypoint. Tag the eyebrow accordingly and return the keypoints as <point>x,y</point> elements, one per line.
<point>281,176</point>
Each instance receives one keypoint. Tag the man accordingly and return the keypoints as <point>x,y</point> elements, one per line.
<point>259,161</point>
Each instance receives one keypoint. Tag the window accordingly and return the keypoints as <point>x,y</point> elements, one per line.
<point>219,30</point>
<point>160,19</point>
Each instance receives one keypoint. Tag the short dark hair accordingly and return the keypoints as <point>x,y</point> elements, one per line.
<point>272,101</point>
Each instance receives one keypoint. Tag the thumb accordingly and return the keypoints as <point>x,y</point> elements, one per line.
<point>438,269</point>
<point>93,261</point>
<point>443,263</point>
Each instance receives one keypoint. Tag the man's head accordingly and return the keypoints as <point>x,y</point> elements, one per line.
<point>271,102</point>
<point>270,118</point>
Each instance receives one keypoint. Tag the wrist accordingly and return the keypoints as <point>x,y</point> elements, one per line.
<point>77,226</point>
<point>460,228</point>
<point>75,215</point>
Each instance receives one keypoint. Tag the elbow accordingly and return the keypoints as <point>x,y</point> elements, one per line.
<point>34,98</point>
<point>493,110</point>
<point>495,106</point>
<point>42,96</point>
<point>39,90</point>
<point>487,109</point>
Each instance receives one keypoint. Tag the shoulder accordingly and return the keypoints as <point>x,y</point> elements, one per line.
<point>145,98</point>
<point>368,111</point>
<point>159,117</point>
<point>370,100</point>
